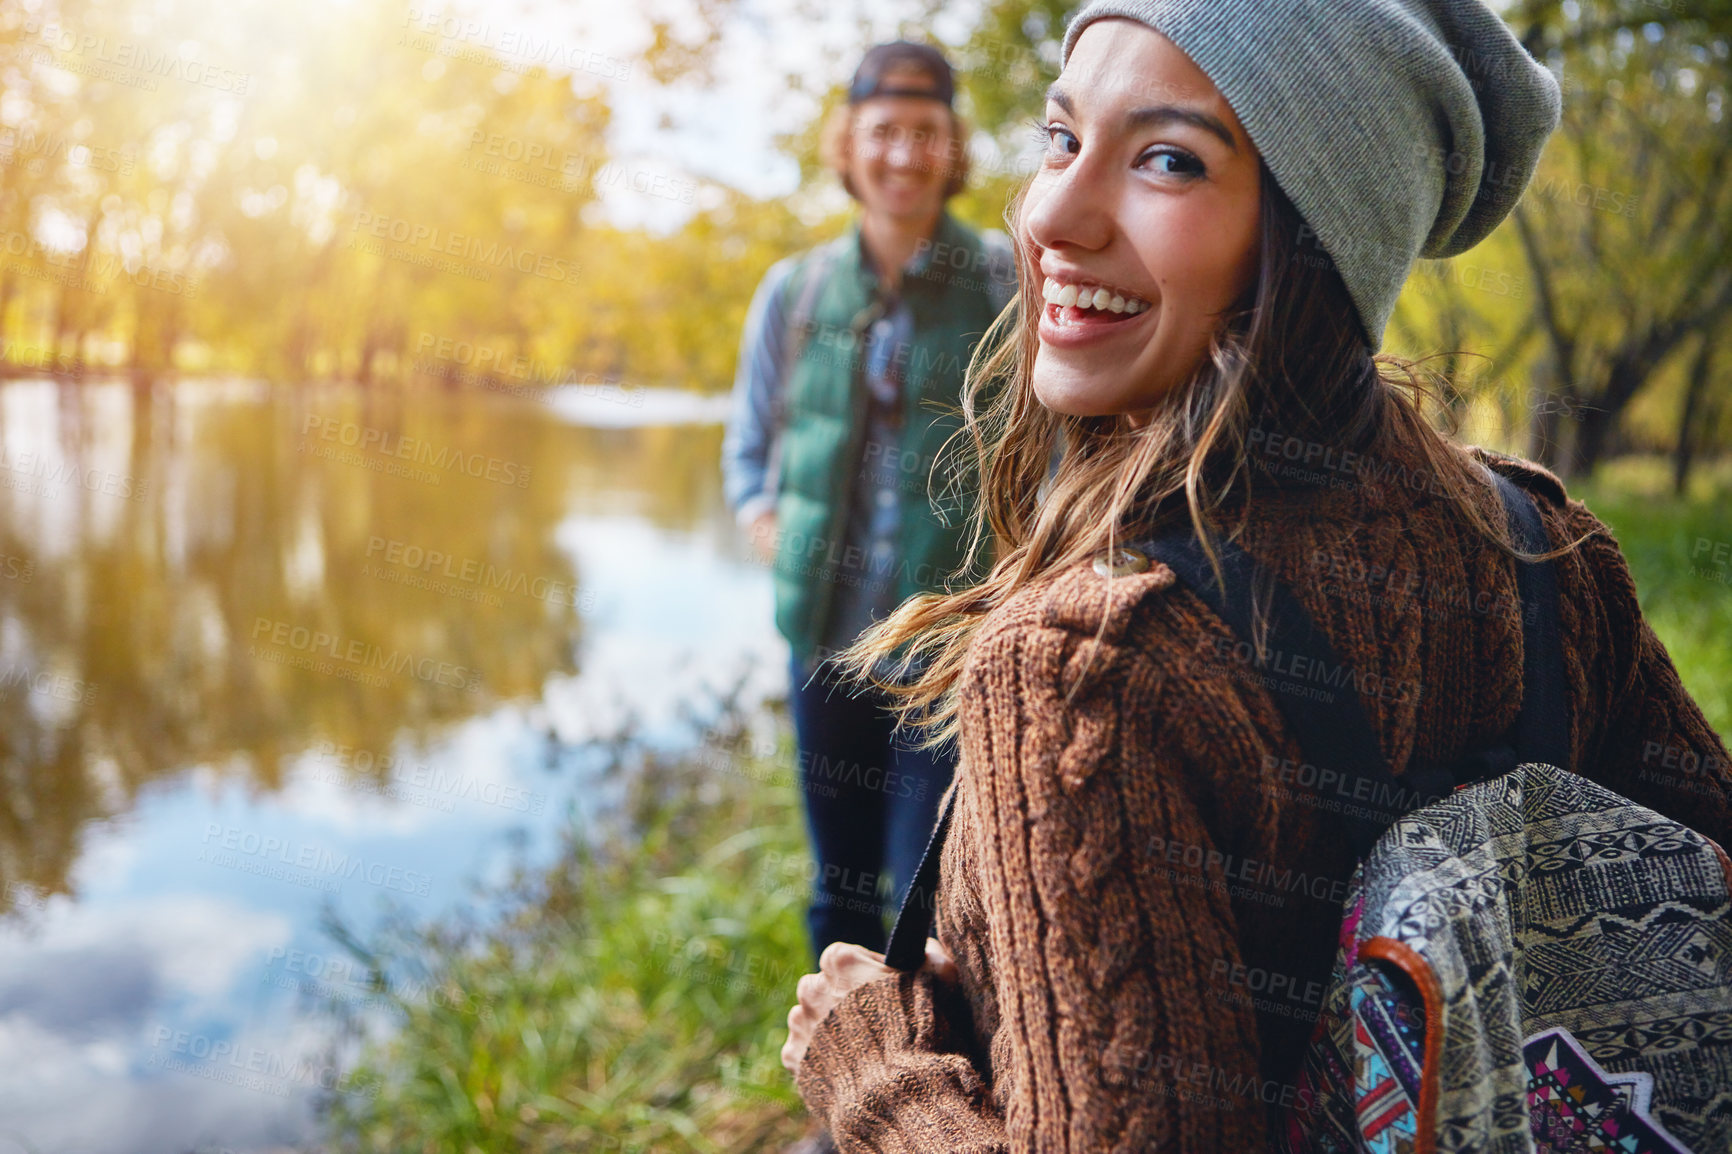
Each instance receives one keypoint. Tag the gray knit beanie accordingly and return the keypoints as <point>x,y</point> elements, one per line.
<point>1399,128</point>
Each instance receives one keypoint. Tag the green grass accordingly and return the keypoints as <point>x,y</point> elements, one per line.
<point>1684,595</point>
<point>635,1000</point>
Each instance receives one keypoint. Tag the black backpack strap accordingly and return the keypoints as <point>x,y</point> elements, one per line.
<point>907,948</point>
<point>1316,693</point>
<point>1542,729</point>
<point>1330,724</point>
<point>1318,698</point>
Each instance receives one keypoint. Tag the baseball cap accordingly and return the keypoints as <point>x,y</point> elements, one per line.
<point>902,55</point>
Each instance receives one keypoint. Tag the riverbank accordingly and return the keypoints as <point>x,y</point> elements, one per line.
<point>635,997</point>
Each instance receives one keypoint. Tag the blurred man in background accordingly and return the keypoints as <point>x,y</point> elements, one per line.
<point>852,355</point>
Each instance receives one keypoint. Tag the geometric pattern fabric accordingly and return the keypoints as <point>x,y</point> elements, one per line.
<point>1533,964</point>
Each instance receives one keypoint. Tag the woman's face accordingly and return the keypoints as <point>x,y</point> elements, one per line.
<point>1149,191</point>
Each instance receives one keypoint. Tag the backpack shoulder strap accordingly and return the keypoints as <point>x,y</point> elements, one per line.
<point>907,948</point>
<point>1542,729</point>
<point>809,278</point>
<point>806,279</point>
<point>1309,684</point>
<point>1330,724</point>
<point>1000,267</point>
<point>1318,699</point>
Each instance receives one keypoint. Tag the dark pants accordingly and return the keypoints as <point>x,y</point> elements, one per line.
<point>871,803</point>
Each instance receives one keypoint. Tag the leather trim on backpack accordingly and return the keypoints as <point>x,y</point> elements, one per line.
<point>1406,959</point>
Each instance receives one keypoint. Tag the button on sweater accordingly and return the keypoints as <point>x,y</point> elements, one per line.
<point>1141,885</point>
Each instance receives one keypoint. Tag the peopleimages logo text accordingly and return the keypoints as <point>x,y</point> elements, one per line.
<point>479,250</point>
<point>41,467</point>
<point>314,859</point>
<point>315,642</point>
<point>470,571</point>
<point>420,451</point>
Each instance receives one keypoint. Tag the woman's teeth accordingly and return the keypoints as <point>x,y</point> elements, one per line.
<point>1091,297</point>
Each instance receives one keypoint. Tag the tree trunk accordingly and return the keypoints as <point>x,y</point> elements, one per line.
<point>369,349</point>
<point>1689,430</point>
<point>1593,436</point>
<point>68,316</point>
<point>8,283</point>
<point>1542,419</point>
<point>153,334</point>
<point>62,323</point>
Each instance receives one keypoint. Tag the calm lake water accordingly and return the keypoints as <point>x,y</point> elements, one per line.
<point>271,652</point>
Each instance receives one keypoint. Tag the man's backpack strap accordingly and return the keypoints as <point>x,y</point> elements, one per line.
<point>808,277</point>
<point>1001,283</point>
<point>812,274</point>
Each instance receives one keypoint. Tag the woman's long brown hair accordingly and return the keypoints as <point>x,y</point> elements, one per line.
<point>1288,359</point>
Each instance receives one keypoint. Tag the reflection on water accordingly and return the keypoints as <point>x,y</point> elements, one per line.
<point>267,652</point>
<point>211,580</point>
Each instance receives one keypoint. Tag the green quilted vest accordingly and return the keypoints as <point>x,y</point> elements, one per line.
<point>825,421</point>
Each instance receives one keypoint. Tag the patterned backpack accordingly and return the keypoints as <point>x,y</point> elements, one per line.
<point>1528,962</point>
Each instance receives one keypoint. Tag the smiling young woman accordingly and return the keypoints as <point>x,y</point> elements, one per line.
<point>1160,209</point>
<point>1232,195</point>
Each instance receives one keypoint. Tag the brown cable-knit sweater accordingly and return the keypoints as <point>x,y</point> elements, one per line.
<point>1131,876</point>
